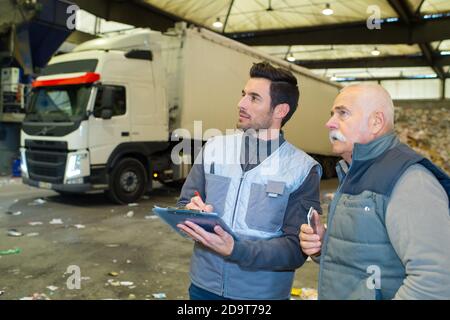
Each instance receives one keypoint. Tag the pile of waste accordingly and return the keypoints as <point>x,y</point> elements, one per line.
<point>427,131</point>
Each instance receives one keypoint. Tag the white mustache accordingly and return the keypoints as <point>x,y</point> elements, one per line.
<point>336,135</point>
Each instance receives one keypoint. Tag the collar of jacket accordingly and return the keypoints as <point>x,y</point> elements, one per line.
<point>368,151</point>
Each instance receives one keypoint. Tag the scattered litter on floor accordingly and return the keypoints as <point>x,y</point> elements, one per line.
<point>17,213</point>
<point>2,293</point>
<point>56,221</point>
<point>130,214</point>
<point>131,296</point>
<point>114,261</point>
<point>329,196</point>
<point>9,181</point>
<point>113,273</point>
<point>133,204</point>
<point>10,251</point>
<point>113,245</point>
<point>304,293</point>
<point>126,283</point>
<point>152,217</point>
<point>14,233</point>
<point>309,259</point>
<point>113,283</point>
<point>128,261</point>
<point>36,296</point>
<point>37,202</point>
<point>79,226</point>
<point>32,234</point>
<point>35,223</point>
<point>159,295</point>
<point>52,288</point>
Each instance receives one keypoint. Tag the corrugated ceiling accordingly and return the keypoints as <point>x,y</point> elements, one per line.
<point>339,51</point>
<point>260,15</point>
<point>257,15</point>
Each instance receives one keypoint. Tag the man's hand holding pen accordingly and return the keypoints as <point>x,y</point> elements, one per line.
<point>220,241</point>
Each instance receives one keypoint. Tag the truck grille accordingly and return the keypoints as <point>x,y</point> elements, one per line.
<point>46,165</point>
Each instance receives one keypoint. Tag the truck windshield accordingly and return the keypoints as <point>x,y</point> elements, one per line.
<point>58,104</point>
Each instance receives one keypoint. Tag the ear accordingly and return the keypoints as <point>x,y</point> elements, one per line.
<point>281,110</point>
<point>377,122</point>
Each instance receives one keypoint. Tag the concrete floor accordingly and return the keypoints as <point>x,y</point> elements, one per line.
<point>140,248</point>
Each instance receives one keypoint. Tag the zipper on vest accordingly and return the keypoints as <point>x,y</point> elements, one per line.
<point>325,239</point>
<point>237,198</point>
<point>224,270</point>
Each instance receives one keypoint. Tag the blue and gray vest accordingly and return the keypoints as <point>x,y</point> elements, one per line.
<point>358,260</point>
<point>253,204</point>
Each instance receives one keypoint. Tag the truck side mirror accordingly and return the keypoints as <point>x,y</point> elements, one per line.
<point>107,102</point>
<point>107,98</point>
<point>106,113</point>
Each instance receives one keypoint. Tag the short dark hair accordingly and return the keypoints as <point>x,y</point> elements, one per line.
<point>283,87</point>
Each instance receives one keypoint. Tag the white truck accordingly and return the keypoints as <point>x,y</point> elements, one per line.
<point>103,116</point>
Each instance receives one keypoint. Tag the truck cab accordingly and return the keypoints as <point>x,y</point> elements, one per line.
<point>95,118</point>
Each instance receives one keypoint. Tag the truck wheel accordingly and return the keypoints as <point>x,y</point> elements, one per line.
<point>128,181</point>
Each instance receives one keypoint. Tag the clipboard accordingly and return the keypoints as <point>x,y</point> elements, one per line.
<point>206,220</point>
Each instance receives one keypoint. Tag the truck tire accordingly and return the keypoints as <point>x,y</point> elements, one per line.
<point>128,181</point>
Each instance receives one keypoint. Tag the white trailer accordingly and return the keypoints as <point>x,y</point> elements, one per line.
<point>102,116</point>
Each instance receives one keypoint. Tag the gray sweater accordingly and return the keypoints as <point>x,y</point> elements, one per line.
<point>418,225</point>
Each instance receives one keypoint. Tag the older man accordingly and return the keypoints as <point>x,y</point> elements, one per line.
<point>388,233</point>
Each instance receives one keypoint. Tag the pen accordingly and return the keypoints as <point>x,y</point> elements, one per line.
<point>197,194</point>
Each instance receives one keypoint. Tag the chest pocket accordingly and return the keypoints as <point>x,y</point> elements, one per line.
<point>358,220</point>
<point>216,191</point>
<point>267,206</point>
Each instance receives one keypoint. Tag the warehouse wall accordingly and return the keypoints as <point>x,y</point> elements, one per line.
<point>413,89</point>
<point>447,88</point>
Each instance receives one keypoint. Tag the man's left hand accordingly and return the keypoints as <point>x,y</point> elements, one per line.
<point>220,241</point>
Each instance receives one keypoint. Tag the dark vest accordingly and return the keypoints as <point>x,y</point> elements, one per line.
<point>358,260</point>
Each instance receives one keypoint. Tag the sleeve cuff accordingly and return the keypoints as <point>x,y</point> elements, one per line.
<point>238,252</point>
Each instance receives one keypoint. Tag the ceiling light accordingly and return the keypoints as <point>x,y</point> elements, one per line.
<point>290,57</point>
<point>327,11</point>
<point>445,53</point>
<point>375,52</point>
<point>217,24</point>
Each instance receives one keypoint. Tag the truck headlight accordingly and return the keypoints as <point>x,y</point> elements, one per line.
<point>75,165</point>
<point>23,163</point>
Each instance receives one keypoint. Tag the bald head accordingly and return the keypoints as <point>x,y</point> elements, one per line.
<point>372,98</point>
<point>360,114</point>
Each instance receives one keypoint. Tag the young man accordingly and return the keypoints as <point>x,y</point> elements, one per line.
<point>388,230</point>
<point>264,197</point>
